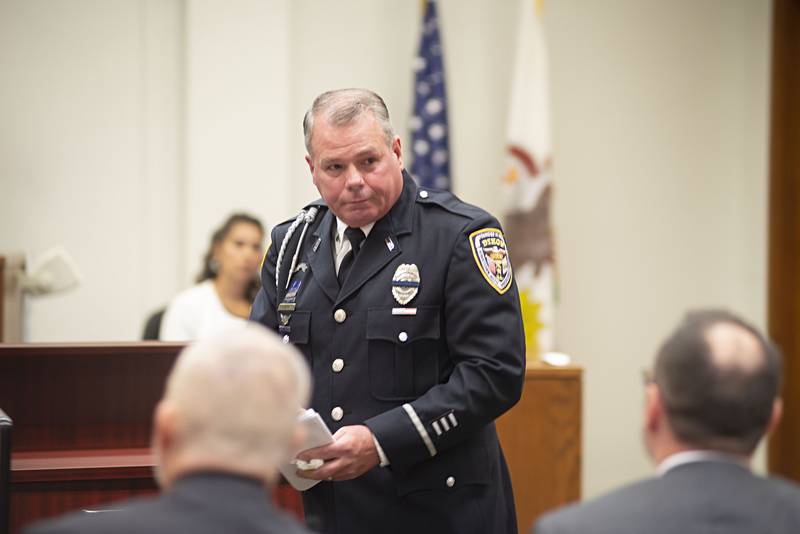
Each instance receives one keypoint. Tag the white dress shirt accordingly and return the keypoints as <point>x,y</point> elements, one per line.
<point>341,245</point>
<point>687,457</point>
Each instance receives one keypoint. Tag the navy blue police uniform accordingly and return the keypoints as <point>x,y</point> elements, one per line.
<point>423,343</point>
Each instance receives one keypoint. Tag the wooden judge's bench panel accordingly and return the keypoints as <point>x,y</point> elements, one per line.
<point>82,416</point>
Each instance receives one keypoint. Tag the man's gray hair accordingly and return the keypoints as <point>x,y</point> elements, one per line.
<point>237,398</point>
<point>714,404</point>
<point>342,106</point>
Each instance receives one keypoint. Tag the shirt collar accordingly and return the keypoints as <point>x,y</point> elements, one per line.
<point>342,226</point>
<point>687,457</point>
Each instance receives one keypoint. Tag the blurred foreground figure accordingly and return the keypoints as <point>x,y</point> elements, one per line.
<point>225,422</point>
<point>712,397</point>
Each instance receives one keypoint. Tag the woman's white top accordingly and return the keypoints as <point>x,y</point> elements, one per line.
<point>197,313</point>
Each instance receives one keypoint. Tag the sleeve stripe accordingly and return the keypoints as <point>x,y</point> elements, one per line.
<point>445,424</point>
<point>453,419</point>
<point>412,414</point>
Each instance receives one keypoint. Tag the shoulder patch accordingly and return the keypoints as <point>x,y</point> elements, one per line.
<point>491,254</point>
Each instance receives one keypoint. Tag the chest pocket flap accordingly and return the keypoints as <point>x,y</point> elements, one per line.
<point>403,352</point>
<point>402,329</point>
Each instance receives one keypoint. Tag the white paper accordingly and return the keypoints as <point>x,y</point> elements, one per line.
<point>316,435</point>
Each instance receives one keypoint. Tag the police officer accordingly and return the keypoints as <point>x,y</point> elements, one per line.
<point>403,301</point>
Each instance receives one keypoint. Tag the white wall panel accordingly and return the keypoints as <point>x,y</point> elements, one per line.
<point>237,89</point>
<point>86,103</point>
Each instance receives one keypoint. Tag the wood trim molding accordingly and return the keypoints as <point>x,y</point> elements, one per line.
<point>784,229</point>
<point>2,295</point>
<point>102,464</point>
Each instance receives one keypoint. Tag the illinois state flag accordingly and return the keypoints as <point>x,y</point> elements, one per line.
<point>527,186</point>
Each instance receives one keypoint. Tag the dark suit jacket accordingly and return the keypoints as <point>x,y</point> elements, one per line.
<point>706,497</point>
<point>198,504</point>
<point>427,376</point>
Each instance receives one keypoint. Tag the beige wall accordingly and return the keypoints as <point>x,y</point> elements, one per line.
<point>89,152</point>
<point>131,127</point>
<point>236,116</point>
<point>660,123</point>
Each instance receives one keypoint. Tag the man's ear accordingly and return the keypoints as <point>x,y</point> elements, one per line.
<point>310,164</point>
<point>775,416</point>
<point>397,150</point>
<point>298,437</point>
<point>653,408</point>
<point>164,426</point>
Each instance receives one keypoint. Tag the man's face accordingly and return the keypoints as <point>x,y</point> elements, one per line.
<point>358,176</point>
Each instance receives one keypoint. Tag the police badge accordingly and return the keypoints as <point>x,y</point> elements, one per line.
<point>405,283</point>
<point>491,255</point>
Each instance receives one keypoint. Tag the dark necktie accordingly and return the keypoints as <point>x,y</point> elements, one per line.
<point>356,237</point>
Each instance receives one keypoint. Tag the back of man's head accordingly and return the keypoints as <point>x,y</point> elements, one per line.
<point>718,377</point>
<point>231,403</point>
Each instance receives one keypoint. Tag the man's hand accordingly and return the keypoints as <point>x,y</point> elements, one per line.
<point>351,454</point>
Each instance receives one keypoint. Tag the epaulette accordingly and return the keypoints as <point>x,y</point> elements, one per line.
<point>449,202</point>
<point>319,204</point>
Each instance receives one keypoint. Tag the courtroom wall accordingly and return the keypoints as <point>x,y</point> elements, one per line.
<point>660,118</point>
<point>131,127</point>
<point>90,156</point>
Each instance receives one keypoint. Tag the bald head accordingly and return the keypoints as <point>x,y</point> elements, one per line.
<point>718,378</point>
<point>734,347</point>
<point>231,404</point>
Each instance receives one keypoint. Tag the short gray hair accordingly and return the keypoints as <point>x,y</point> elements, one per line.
<point>342,106</point>
<point>237,398</point>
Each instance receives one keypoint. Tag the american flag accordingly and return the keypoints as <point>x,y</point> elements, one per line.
<point>429,138</point>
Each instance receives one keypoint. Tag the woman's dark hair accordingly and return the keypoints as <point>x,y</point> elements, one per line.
<point>209,270</point>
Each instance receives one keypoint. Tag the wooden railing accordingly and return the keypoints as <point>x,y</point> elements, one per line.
<point>82,417</point>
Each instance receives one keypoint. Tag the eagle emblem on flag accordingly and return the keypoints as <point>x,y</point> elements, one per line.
<point>491,254</point>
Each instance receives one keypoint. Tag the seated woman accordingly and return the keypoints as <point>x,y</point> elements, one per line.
<point>226,286</point>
